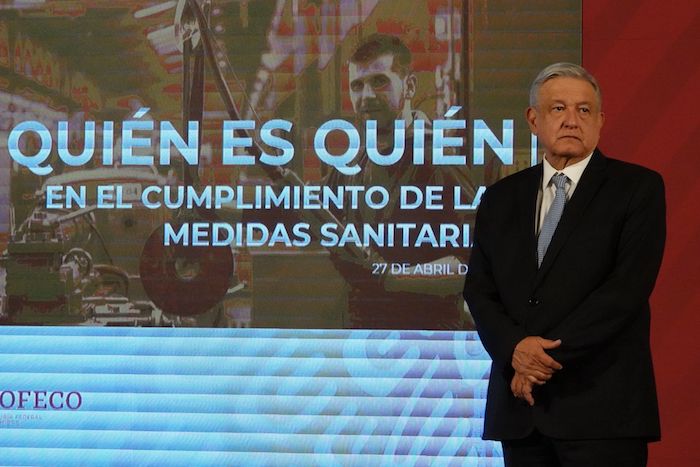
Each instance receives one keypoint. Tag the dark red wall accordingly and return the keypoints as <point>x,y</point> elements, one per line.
<point>646,55</point>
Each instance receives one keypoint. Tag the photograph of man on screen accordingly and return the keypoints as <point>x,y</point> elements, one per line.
<point>415,296</point>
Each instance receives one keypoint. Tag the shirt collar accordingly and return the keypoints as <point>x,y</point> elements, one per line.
<point>573,171</point>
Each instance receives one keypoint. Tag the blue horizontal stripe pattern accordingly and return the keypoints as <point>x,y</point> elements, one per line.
<point>267,423</point>
<point>324,403</point>
<point>243,366</point>
<point>241,442</point>
<point>343,334</point>
<point>136,458</point>
<point>242,385</point>
<point>242,347</point>
<point>183,396</point>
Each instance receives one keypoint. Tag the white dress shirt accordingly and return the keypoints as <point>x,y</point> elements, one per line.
<point>548,189</point>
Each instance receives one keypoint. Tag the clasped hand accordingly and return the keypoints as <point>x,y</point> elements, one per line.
<point>532,365</point>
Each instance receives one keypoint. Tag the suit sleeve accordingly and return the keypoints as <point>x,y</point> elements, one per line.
<point>626,290</point>
<point>498,332</point>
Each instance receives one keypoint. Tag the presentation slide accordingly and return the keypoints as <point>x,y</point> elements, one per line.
<point>236,232</point>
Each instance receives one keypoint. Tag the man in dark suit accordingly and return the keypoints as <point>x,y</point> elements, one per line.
<point>565,257</point>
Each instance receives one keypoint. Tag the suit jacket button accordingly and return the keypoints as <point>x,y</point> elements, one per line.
<point>533,302</point>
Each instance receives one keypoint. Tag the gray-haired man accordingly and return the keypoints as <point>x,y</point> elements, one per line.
<point>565,257</point>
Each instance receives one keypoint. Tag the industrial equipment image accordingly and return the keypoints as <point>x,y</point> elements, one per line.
<point>216,61</point>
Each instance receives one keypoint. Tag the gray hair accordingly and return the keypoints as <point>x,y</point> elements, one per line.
<point>569,70</point>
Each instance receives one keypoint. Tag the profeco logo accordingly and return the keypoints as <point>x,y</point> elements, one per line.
<point>41,400</point>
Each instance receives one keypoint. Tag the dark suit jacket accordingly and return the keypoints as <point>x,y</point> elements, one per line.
<point>592,291</point>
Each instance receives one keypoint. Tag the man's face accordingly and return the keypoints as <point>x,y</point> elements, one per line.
<point>377,91</point>
<point>567,119</point>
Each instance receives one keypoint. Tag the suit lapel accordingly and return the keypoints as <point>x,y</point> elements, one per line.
<point>588,186</point>
<point>528,211</point>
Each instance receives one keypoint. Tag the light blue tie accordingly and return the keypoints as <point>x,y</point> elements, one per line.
<point>552,218</point>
